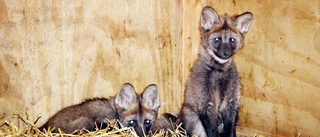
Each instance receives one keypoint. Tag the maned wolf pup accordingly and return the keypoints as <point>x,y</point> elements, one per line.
<point>211,98</point>
<point>139,112</point>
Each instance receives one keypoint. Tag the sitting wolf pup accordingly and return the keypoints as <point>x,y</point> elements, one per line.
<point>139,112</point>
<point>211,98</point>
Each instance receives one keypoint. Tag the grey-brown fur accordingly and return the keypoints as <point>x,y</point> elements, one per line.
<point>130,109</point>
<point>211,99</point>
<point>167,122</point>
<point>83,115</point>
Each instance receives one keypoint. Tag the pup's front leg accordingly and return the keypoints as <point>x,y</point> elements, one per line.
<point>192,123</point>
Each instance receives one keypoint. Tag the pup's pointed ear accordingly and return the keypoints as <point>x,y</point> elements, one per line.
<point>126,96</point>
<point>151,97</point>
<point>209,18</point>
<point>244,21</point>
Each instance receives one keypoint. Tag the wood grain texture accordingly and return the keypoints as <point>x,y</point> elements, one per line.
<point>57,53</point>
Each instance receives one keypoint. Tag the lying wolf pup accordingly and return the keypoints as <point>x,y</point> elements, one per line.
<point>130,109</point>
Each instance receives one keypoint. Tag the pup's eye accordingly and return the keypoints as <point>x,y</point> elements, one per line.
<point>232,40</point>
<point>217,39</point>
<point>133,123</point>
<point>147,122</point>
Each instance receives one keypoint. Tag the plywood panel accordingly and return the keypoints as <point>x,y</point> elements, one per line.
<point>57,53</point>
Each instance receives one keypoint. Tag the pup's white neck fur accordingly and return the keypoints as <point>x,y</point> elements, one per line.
<point>220,60</point>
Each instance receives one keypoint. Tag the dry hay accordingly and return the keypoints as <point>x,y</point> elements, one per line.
<point>7,128</point>
<point>29,129</point>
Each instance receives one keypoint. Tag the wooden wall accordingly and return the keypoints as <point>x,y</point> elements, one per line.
<point>56,53</point>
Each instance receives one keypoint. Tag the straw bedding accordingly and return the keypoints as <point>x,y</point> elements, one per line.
<point>29,128</point>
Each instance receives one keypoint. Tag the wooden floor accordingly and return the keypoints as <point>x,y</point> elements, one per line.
<point>248,132</point>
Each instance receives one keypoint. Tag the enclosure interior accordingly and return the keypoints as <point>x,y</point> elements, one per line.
<point>57,53</point>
